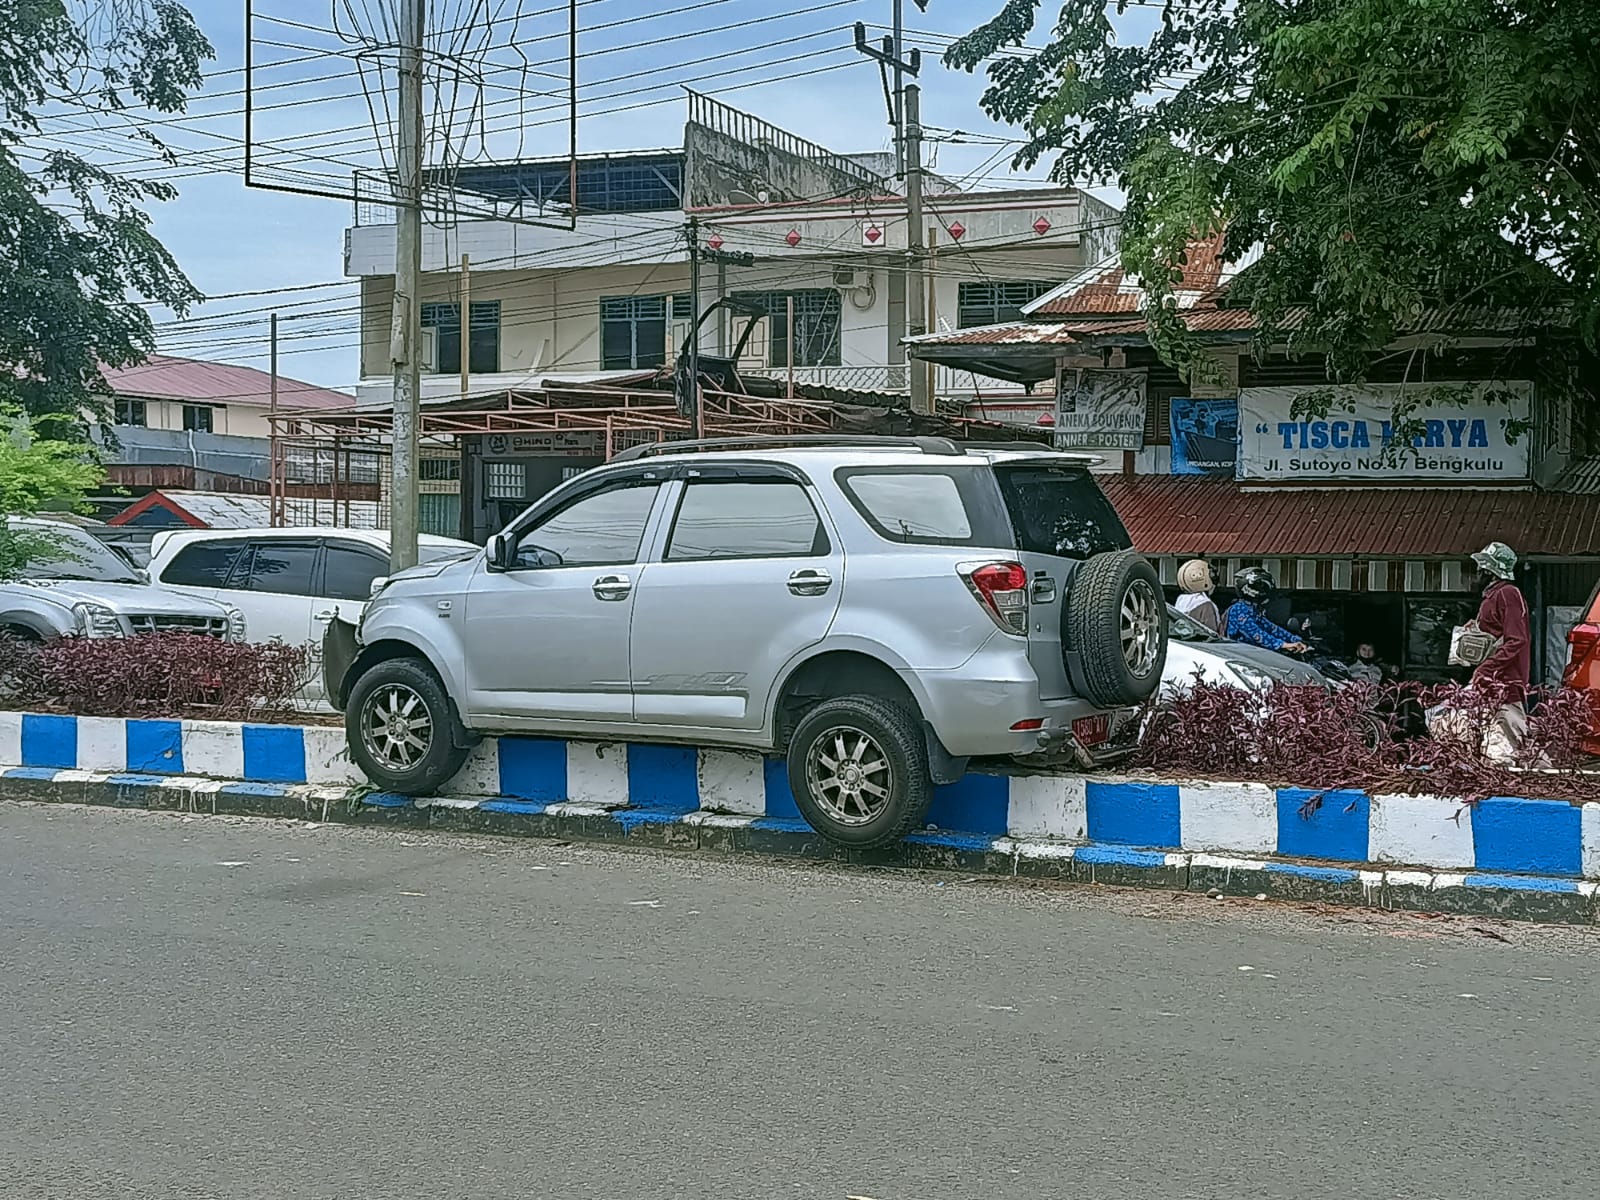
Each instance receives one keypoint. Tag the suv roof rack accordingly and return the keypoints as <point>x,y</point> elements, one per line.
<point>928,445</point>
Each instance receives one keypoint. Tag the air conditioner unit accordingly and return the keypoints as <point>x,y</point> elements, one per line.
<point>848,277</point>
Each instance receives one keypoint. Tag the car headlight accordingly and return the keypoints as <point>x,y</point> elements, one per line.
<point>236,624</point>
<point>98,621</point>
<point>1251,676</point>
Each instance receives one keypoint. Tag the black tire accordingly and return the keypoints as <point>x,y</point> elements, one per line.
<point>1115,597</point>
<point>391,687</point>
<point>893,736</point>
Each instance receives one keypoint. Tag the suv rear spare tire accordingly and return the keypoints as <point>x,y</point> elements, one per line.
<point>858,768</point>
<point>1116,623</point>
<point>402,730</point>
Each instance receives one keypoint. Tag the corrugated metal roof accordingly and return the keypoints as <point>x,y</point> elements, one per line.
<point>218,510</point>
<point>163,377</point>
<point>1172,515</point>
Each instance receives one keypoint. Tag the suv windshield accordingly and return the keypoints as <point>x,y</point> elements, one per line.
<point>61,552</point>
<point>1060,511</point>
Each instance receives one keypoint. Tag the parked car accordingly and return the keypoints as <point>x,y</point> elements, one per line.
<point>288,582</point>
<point>1583,661</point>
<point>1194,651</point>
<point>74,585</point>
<point>880,610</point>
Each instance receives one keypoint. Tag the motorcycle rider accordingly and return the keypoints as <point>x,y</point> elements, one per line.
<point>1194,579</point>
<point>1246,619</point>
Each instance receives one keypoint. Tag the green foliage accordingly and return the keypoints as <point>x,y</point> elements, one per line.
<point>1394,155</point>
<point>75,239</point>
<point>37,473</point>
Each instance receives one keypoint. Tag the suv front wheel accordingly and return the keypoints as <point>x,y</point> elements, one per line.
<point>858,767</point>
<point>402,728</point>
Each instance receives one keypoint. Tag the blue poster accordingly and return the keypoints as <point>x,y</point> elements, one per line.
<point>1205,437</point>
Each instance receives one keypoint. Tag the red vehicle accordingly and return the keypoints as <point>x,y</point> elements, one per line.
<point>1583,665</point>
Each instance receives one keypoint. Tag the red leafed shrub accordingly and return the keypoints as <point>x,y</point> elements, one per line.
<point>1389,739</point>
<point>162,675</point>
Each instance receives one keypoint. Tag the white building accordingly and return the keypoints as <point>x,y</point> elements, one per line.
<point>822,231</point>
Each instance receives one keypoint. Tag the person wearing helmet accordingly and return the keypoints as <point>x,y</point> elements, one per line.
<point>1503,615</point>
<point>1194,579</point>
<point>1246,619</point>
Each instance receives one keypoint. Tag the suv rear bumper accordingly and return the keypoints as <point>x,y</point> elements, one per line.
<point>975,713</point>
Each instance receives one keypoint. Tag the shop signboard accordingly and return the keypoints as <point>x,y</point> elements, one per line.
<point>1205,436</point>
<point>1100,410</point>
<point>1439,433</point>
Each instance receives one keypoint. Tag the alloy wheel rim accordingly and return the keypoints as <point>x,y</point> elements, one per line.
<point>1140,629</point>
<point>849,775</point>
<point>397,727</point>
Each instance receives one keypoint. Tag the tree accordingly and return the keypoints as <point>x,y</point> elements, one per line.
<point>1394,156</point>
<point>75,240</point>
<point>37,472</point>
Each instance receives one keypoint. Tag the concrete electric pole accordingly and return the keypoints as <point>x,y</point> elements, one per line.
<point>406,332</point>
<point>905,115</point>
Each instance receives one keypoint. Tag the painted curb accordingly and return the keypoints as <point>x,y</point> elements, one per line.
<point>1501,836</point>
<point>1514,897</point>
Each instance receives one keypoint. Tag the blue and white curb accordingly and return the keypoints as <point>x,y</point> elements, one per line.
<point>1499,837</point>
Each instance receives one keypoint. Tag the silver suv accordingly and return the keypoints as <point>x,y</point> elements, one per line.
<point>881,610</point>
<point>74,585</point>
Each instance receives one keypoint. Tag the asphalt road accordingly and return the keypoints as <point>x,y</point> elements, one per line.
<point>212,1007</point>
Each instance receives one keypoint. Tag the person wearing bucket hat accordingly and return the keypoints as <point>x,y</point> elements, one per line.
<point>1195,602</point>
<point>1503,615</point>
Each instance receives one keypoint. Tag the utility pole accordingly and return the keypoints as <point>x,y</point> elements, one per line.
<point>905,115</point>
<point>406,332</point>
<point>466,325</point>
<point>916,300</point>
<point>696,413</point>
<point>274,484</point>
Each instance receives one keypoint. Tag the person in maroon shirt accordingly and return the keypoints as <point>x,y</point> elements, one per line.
<point>1503,615</point>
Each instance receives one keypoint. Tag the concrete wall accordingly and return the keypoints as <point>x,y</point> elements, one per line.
<point>243,420</point>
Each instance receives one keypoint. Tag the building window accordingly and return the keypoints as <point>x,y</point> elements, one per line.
<point>507,481</point>
<point>197,418</point>
<point>994,302</point>
<point>816,325</point>
<point>633,330</point>
<point>483,353</point>
<point>130,412</point>
<point>440,470</point>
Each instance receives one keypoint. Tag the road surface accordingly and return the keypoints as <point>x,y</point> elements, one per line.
<point>213,1007</point>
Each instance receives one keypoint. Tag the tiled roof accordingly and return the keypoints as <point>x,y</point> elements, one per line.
<point>218,510</point>
<point>1105,288</point>
<point>163,377</point>
<point>1174,515</point>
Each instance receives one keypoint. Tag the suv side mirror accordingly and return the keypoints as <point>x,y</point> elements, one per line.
<point>501,550</point>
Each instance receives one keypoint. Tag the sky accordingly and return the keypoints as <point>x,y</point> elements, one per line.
<point>790,62</point>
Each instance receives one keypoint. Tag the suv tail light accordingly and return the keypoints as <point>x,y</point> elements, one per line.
<point>1002,589</point>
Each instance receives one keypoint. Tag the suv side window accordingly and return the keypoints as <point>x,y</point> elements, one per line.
<point>745,519</point>
<point>283,568</point>
<point>910,506</point>
<point>348,571</point>
<point>602,529</point>
<point>204,564</point>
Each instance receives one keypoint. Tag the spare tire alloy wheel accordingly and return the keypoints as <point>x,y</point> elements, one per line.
<point>1141,628</point>
<point>1116,623</point>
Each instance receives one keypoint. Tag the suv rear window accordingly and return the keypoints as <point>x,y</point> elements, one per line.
<point>1060,511</point>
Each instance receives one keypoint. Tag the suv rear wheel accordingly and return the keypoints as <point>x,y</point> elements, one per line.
<point>858,767</point>
<point>402,729</point>
<point>1116,621</point>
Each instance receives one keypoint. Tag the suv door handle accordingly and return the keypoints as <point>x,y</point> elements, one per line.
<point>612,587</point>
<point>809,582</point>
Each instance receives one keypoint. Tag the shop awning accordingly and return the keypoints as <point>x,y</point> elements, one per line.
<point>1168,515</point>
